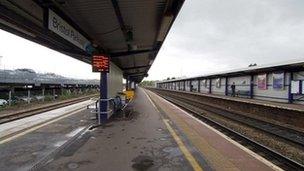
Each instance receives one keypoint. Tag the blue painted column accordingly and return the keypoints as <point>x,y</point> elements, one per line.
<point>251,86</point>
<point>290,95</point>
<point>226,86</point>
<point>199,86</point>
<point>210,85</point>
<point>103,104</point>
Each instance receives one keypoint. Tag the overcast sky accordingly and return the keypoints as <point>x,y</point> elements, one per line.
<point>17,52</point>
<point>208,36</point>
<point>217,35</point>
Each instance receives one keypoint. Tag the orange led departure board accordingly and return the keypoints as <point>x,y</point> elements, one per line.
<point>101,63</point>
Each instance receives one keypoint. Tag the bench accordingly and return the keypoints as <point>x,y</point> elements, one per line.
<point>240,92</point>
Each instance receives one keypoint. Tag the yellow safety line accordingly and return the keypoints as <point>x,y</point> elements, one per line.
<point>179,142</point>
<point>183,148</point>
<point>39,126</point>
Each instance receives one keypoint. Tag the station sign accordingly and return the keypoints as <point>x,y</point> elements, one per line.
<point>66,31</point>
<point>101,63</point>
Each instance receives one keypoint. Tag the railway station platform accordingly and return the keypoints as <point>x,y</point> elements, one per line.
<point>290,115</point>
<point>157,135</point>
<point>273,104</point>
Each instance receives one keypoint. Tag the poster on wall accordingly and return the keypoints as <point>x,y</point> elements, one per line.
<point>278,81</point>
<point>295,87</point>
<point>262,81</point>
<point>218,83</point>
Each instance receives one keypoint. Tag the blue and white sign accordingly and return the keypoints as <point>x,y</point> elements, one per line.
<point>66,31</point>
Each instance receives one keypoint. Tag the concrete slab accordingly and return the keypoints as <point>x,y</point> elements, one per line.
<point>144,141</point>
<point>9,128</point>
<point>221,152</point>
<point>25,151</point>
<point>141,142</point>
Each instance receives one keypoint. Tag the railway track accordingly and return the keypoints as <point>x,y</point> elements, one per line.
<point>26,113</point>
<point>285,133</point>
<point>195,107</point>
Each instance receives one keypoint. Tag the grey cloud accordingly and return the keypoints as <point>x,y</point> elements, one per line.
<point>236,33</point>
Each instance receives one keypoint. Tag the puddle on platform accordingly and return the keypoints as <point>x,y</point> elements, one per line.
<point>142,163</point>
<point>72,165</point>
<point>77,165</point>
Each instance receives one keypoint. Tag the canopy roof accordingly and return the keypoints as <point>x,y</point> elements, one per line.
<point>291,66</point>
<point>131,32</point>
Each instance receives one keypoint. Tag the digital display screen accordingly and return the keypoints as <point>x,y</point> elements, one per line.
<point>101,63</point>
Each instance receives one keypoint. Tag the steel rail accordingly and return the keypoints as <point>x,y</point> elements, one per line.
<point>38,110</point>
<point>287,134</point>
<point>275,157</point>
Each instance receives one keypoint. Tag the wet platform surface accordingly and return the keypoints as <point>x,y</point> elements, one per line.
<point>141,142</point>
<point>155,136</point>
<point>25,151</point>
<point>220,152</point>
<point>16,126</point>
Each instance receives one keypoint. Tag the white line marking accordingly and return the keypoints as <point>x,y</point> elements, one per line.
<point>10,138</point>
<point>151,101</point>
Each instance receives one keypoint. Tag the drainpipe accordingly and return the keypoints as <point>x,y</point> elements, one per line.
<point>210,85</point>
<point>226,86</point>
<point>251,86</point>
<point>290,95</point>
<point>199,86</point>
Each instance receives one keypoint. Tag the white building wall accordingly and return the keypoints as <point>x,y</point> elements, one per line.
<point>242,85</point>
<point>187,85</point>
<point>271,94</point>
<point>218,90</point>
<point>115,83</point>
<point>205,87</point>
<point>299,98</point>
<point>195,85</point>
<point>174,85</point>
<point>182,85</point>
<point>178,86</point>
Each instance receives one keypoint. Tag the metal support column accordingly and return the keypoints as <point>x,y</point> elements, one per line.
<point>226,86</point>
<point>199,86</point>
<point>251,86</point>
<point>62,90</point>
<point>210,86</point>
<point>43,92</point>
<point>103,104</point>
<point>10,97</point>
<point>28,96</point>
<point>290,95</point>
<point>190,84</point>
<point>54,93</point>
<point>184,88</point>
